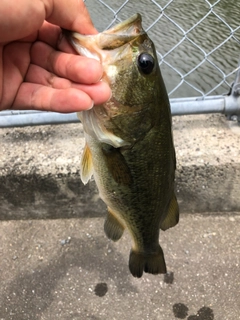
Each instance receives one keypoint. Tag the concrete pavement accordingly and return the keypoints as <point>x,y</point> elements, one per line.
<point>39,169</point>
<point>67,269</point>
<point>56,262</point>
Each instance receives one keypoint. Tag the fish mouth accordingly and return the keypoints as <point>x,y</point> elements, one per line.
<point>113,38</point>
<point>130,27</point>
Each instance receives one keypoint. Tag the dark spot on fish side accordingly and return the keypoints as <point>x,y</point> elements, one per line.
<point>180,310</point>
<point>101,289</point>
<point>117,165</point>
<point>168,277</point>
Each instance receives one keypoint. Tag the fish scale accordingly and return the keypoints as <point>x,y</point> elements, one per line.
<point>129,147</point>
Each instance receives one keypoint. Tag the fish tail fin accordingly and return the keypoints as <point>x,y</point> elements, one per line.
<point>148,262</point>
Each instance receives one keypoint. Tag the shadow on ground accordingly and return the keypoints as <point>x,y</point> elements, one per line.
<point>199,189</point>
<point>32,292</point>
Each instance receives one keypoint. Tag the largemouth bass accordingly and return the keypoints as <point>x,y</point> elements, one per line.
<point>129,147</point>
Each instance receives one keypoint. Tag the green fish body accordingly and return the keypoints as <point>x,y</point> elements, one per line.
<point>129,147</point>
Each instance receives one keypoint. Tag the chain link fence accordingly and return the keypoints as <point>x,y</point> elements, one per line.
<point>198,44</point>
<point>198,47</point>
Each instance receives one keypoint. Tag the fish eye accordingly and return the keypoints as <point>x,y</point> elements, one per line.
<point>145,63</point>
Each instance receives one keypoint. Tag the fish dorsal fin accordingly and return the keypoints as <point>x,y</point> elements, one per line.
<point>117,165</point>
<point>86,166</point>
<point>112,227</point>
<point>172,216</point>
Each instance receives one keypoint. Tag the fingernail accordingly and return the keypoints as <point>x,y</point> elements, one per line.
<point>90,106</point>
<point>110,96</point>
<point>102,80</point>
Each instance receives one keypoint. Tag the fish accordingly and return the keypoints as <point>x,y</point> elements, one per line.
<point>129,143</point>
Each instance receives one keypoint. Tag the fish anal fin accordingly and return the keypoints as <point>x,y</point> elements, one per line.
<point>172,216</point>
<point>86,166</point>
<point>117,165</point>
<point>112,227</point>
<point>153,263</point>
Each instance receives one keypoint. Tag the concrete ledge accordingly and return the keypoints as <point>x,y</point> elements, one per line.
<point>39,170</point>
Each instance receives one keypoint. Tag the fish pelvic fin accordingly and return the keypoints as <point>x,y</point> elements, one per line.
<point>112,227</point>
<point>86,166</point>
<point>153,263</point>
<point>172,216</point>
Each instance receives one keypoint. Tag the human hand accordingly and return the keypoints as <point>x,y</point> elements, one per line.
<point>34,73</point>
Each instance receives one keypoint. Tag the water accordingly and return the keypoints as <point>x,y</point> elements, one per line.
<point>194,44</point>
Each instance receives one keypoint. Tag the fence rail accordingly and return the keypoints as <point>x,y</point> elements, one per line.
<point>198,46</point>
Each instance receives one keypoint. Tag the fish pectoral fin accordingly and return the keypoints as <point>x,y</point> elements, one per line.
<point>172,216</point>
<point>86,166</point>
<point>153,263</point>
<point>94,127</point>
<point>112,227</point>
<point>117,165</point>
